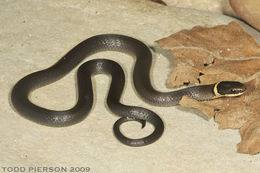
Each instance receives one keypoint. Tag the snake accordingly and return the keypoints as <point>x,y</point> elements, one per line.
<point>141,79</point>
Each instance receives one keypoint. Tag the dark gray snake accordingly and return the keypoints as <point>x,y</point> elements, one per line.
<point>141,79</point>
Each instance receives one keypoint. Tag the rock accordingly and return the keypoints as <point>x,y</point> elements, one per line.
<point>36,33</point>
<point>215,6</point>
<point>248,10</point>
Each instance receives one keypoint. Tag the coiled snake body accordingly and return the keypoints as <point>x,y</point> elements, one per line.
<point>141,79</point>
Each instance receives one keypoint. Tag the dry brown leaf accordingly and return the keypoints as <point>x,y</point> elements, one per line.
<point>204,107</point>
<point>250,133</point>
<point>210,55</point>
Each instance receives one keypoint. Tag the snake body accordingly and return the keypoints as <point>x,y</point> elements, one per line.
<point>141,79</point>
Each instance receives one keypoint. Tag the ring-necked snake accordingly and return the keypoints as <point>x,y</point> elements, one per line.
<point>141,79</point>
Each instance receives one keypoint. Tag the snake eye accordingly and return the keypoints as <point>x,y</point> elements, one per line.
<point>233,90</point>
<point>237,90</point>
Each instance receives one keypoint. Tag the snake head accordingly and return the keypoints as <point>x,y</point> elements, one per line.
<point>229,89</point>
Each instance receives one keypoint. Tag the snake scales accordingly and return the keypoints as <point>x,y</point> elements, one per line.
<point>141,79</point>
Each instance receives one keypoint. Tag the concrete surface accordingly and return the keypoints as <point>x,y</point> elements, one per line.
<point>34,34</point>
